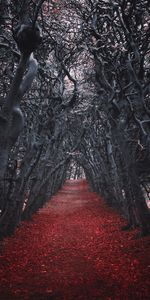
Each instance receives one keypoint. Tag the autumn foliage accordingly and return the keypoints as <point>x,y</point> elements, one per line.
<point>74,249</point>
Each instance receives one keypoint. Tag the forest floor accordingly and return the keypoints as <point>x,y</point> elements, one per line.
<point>73,249</point>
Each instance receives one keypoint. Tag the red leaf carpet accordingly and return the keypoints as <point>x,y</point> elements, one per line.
<point>73,249</point>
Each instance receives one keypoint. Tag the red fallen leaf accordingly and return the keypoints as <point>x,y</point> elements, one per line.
<point>49,291</point>
<point>135,261</point>
<point>43,271</point>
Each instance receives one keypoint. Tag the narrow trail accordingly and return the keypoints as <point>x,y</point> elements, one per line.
<point>73,249</point>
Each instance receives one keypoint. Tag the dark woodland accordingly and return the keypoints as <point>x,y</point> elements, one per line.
<point>74,103</point>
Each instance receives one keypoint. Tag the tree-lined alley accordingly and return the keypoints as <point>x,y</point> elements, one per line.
<point>87,112</point>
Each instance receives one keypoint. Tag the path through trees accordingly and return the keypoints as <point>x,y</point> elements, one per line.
<point>88,106</point>
<point>74,249</point>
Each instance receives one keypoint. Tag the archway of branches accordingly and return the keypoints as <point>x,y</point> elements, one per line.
<point>87,112</point>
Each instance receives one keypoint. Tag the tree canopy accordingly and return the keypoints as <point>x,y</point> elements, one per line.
<point>87,112</point>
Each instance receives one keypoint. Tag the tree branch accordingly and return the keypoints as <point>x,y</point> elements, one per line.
<point>29,77</point>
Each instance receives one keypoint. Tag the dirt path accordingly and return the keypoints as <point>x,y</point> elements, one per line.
<point>73,249</point>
